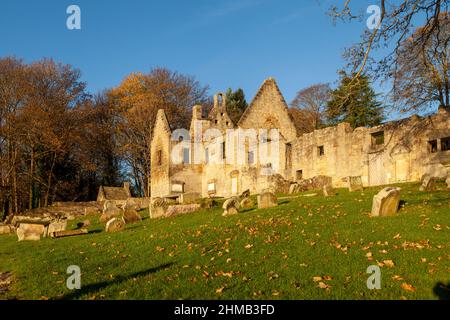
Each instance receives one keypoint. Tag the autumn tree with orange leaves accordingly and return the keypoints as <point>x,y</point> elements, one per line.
<point>136,101</point>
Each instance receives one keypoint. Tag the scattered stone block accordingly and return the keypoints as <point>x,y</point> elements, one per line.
<point>386,202</point>
<point>247,203</point>
<point>175,210</point>
<point>355,184</point>
<point>231,206</point>
<point>328,190</point>
<point>115,224</point>
<point>130,216</point>
<point>267,200</point>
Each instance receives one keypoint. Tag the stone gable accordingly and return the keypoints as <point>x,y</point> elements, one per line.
<point>269,110</point>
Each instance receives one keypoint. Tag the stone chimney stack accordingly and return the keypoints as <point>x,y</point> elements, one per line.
<point>220,96</point>
<point>197,112</point>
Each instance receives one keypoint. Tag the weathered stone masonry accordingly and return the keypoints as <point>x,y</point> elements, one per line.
<point>398,151</point>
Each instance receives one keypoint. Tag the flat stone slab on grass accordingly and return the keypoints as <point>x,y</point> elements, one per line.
<point>181,209</point>
<point>68,233</point>
<point>386,202</point>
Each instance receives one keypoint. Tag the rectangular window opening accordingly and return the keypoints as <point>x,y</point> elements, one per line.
<point>378,139</point>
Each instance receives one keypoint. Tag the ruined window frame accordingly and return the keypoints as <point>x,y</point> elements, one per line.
<point>433,146</point>
<point>224,150</point>
<point>299,174</point>
<point>445,144</point>
<point>186,154</point>
<point>321,151</point>
<point>377,139</point>
<point>251,159</point>
<point>206,155</point>
<point>159,157</point>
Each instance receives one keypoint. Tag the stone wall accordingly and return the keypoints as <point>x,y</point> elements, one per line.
<point>395,152</point>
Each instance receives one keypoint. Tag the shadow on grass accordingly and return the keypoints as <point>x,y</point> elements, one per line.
<point>86,290</point>
<point>442,291</point>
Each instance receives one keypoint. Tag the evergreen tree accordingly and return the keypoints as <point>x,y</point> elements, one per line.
<point>354,101</point>
<point>236,104</point>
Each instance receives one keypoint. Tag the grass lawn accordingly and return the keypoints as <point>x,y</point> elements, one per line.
<point>306,248</point>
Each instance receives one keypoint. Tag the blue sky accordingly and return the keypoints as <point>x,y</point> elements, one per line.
<point>223,43</point>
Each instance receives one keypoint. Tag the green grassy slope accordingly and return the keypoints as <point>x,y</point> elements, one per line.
<point>258,254</point>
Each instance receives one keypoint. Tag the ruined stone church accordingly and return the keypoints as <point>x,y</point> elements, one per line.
<point>398,151</point>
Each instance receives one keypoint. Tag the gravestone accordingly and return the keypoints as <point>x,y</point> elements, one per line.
<point>231,206</point>
<point>56,227</point>
<point>293,188</point>
<point>247,203</point>
<point>386,202</point>
<point>5,229</point>
<point>328,190</point>
<point>132,204</point>
<point>448,181</point>
<point>130,216</point>
<point>245,194</point>
<point>427,182</point>
<point>208,203</point>
<point>30,231</point>
<point>267,200</point>
<point>91,211</point>
<point>110,211</point>
<point>175,210</point>
<point>189,197</point>
<point>114,225</point>
<point>158,208</point>
<point>354,184</point>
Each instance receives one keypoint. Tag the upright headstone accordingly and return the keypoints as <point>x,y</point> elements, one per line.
<point>328,190</point>
<point>354,184</point>
<point>189,197</point>
<point>32,232</point>
<point>158,208</point>
<point>267,200</point>
<point>110,211</point>
<point>5,229</point>
<point>247,203</point>
<point>231,206</point>
<point>130,216</point>
<point>386,202</point>
<point>427,182</point>
<point>293,188</point>
<point>114,225</point>
<point>56,226</point>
